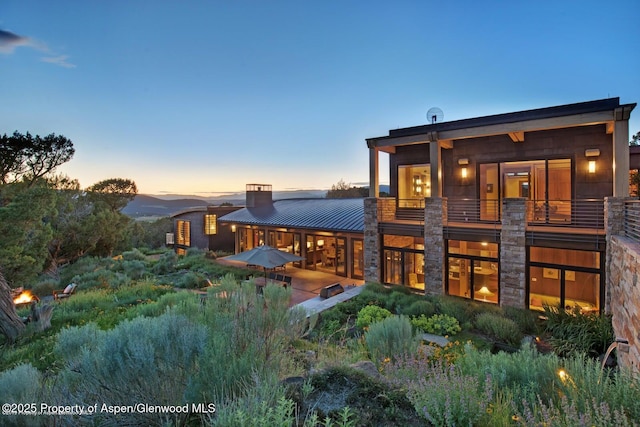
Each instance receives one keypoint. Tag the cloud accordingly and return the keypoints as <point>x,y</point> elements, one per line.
<point>60,60</point>
<point>9,41</point>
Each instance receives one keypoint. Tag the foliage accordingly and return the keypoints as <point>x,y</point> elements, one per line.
<point>342,190</point>
<point>150,234</point>
<point>21,385</point>
<point>111,364</point>
<point>572,332</point>
<point>116,193</point>
<point>500,328</point>
<point>525,319</point>
<point>25,234</point>
<point>420,307</point>
<point>166,263</point>
<point>443,395</point>
<point>371,314</point>
<point>28,158</point>
<point>390,337</point>
<point>439,324</point>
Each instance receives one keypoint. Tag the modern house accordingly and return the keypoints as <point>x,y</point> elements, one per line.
<point>510,209</point>
<point>328,233</point>
<point>199,228</point>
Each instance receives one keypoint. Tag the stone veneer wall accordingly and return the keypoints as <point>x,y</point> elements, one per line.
<point>513,253</point>
<point>376,210</point>
<point>624,292</point>
<point>614,226</point>
<point>435,215</point>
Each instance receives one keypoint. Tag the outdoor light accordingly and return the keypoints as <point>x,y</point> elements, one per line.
<point>320,242</point>
<point>233,228</point>
<point>463,172</point>
<point>592,152</point>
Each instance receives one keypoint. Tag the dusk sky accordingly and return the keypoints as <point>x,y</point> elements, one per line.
<point>199,97</point>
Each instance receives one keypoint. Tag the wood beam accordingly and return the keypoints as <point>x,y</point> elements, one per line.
<point>516,136</point>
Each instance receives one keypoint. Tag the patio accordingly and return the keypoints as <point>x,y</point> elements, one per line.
<point>305,284</point>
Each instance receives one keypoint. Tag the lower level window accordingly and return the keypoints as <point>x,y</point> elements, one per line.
<point>472,270</point>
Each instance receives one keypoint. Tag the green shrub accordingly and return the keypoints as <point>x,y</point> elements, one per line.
<point>22,385</point>
<point>525,319</point>
<point>166,263</point>
<point>500,328</point>
<point>420,307</point>
<point>371,314</point>
<point>101,279</point>
<point>439,324</point>
<point>192,280</point>
<point>572,332</point>
<point>390,337</point>
<point>142,360</point>
<point>455,307</point>
<point>134,255</point>
<point>134,269</point>
<point>398,300</point>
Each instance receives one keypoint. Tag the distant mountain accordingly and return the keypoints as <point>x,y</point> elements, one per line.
<point>146,205</point>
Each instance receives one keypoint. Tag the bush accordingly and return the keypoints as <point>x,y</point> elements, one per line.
<point>132,363</point>
<point>192,280</point>
<point>420,307</point>
<point>439,324</point>
<point>101,279</point>
<point>442,394</point>
<point>573,332</point>
<point>454,307</point>
<point>166,263</point>
<point>21,385</point>
<point>391,337</point>
<point>134,255</point>
<point>134,269</point>
<point>500,328</point>
<point>371,314</point>
<point>398,300</point>
<point>525,319</point>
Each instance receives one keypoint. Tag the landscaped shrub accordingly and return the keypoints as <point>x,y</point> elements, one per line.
<point>86,264</point>
<point>371,314</point>
<point>134,269</point>
<point>391,337</point>
<point>101,279</point>
<point>166,263</point>
<point>23,386</point>
<point>192,280</point>
<point>498,327</point>
<point>444,396</point>
<point>525,319</point>
<point>572,332</point>
<point>140,361</point>
<point>420,307</point>
<point>439,324</point>
<point>399,300</point>
<point>134,255</point>
<point>455,307</point>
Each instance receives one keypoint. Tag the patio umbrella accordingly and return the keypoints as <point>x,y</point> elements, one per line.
<point>265,256</point>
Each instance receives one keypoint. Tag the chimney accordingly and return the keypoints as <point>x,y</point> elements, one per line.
<point>258,195</point>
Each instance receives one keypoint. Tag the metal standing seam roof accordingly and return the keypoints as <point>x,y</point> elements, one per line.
<point>317,214</point>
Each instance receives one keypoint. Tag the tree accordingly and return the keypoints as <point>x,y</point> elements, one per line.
<point>342,190</point>
<point>11,326</point>
<point>28,158</point>
<point>635,139</point>
<point>115,192</point>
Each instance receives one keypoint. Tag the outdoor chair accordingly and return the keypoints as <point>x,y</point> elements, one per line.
<point>66,292</point>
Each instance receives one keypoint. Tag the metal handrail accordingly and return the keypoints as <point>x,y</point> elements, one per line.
<point>473,210</point>
<point>631,223</point>
<point>577,213</point>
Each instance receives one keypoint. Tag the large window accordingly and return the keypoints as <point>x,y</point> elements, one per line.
<point>547,183</point>
<point>564,278</point>
<point>414,184</point>
<point>403,261</point>
<point>210,224</point>
<point>183,233</point>
<point>472,270</point>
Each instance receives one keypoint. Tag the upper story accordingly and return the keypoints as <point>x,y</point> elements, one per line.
<point>561,159</point>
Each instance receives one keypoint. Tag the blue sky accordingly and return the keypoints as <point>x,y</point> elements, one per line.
<point>199,97</point>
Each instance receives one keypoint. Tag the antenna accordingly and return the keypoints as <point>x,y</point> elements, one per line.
<point>435,115</point>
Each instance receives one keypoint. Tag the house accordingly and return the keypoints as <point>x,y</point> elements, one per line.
<point>199,228</point>
<point>511,209</point>
<point>328,233</point>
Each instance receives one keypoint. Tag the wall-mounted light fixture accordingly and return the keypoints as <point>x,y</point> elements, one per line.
<point>463,171</point>
<point>233,228</point>
<point>591,154</point>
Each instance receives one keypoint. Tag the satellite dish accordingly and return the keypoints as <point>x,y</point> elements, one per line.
<point>435,115</point>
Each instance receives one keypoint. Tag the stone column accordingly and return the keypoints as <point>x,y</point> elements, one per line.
<point>513,253</point>
<point>376,210</point>
<point>435,216</point>
<point>613,226</point>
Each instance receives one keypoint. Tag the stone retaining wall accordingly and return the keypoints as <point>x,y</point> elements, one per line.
<point>624,291</point>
